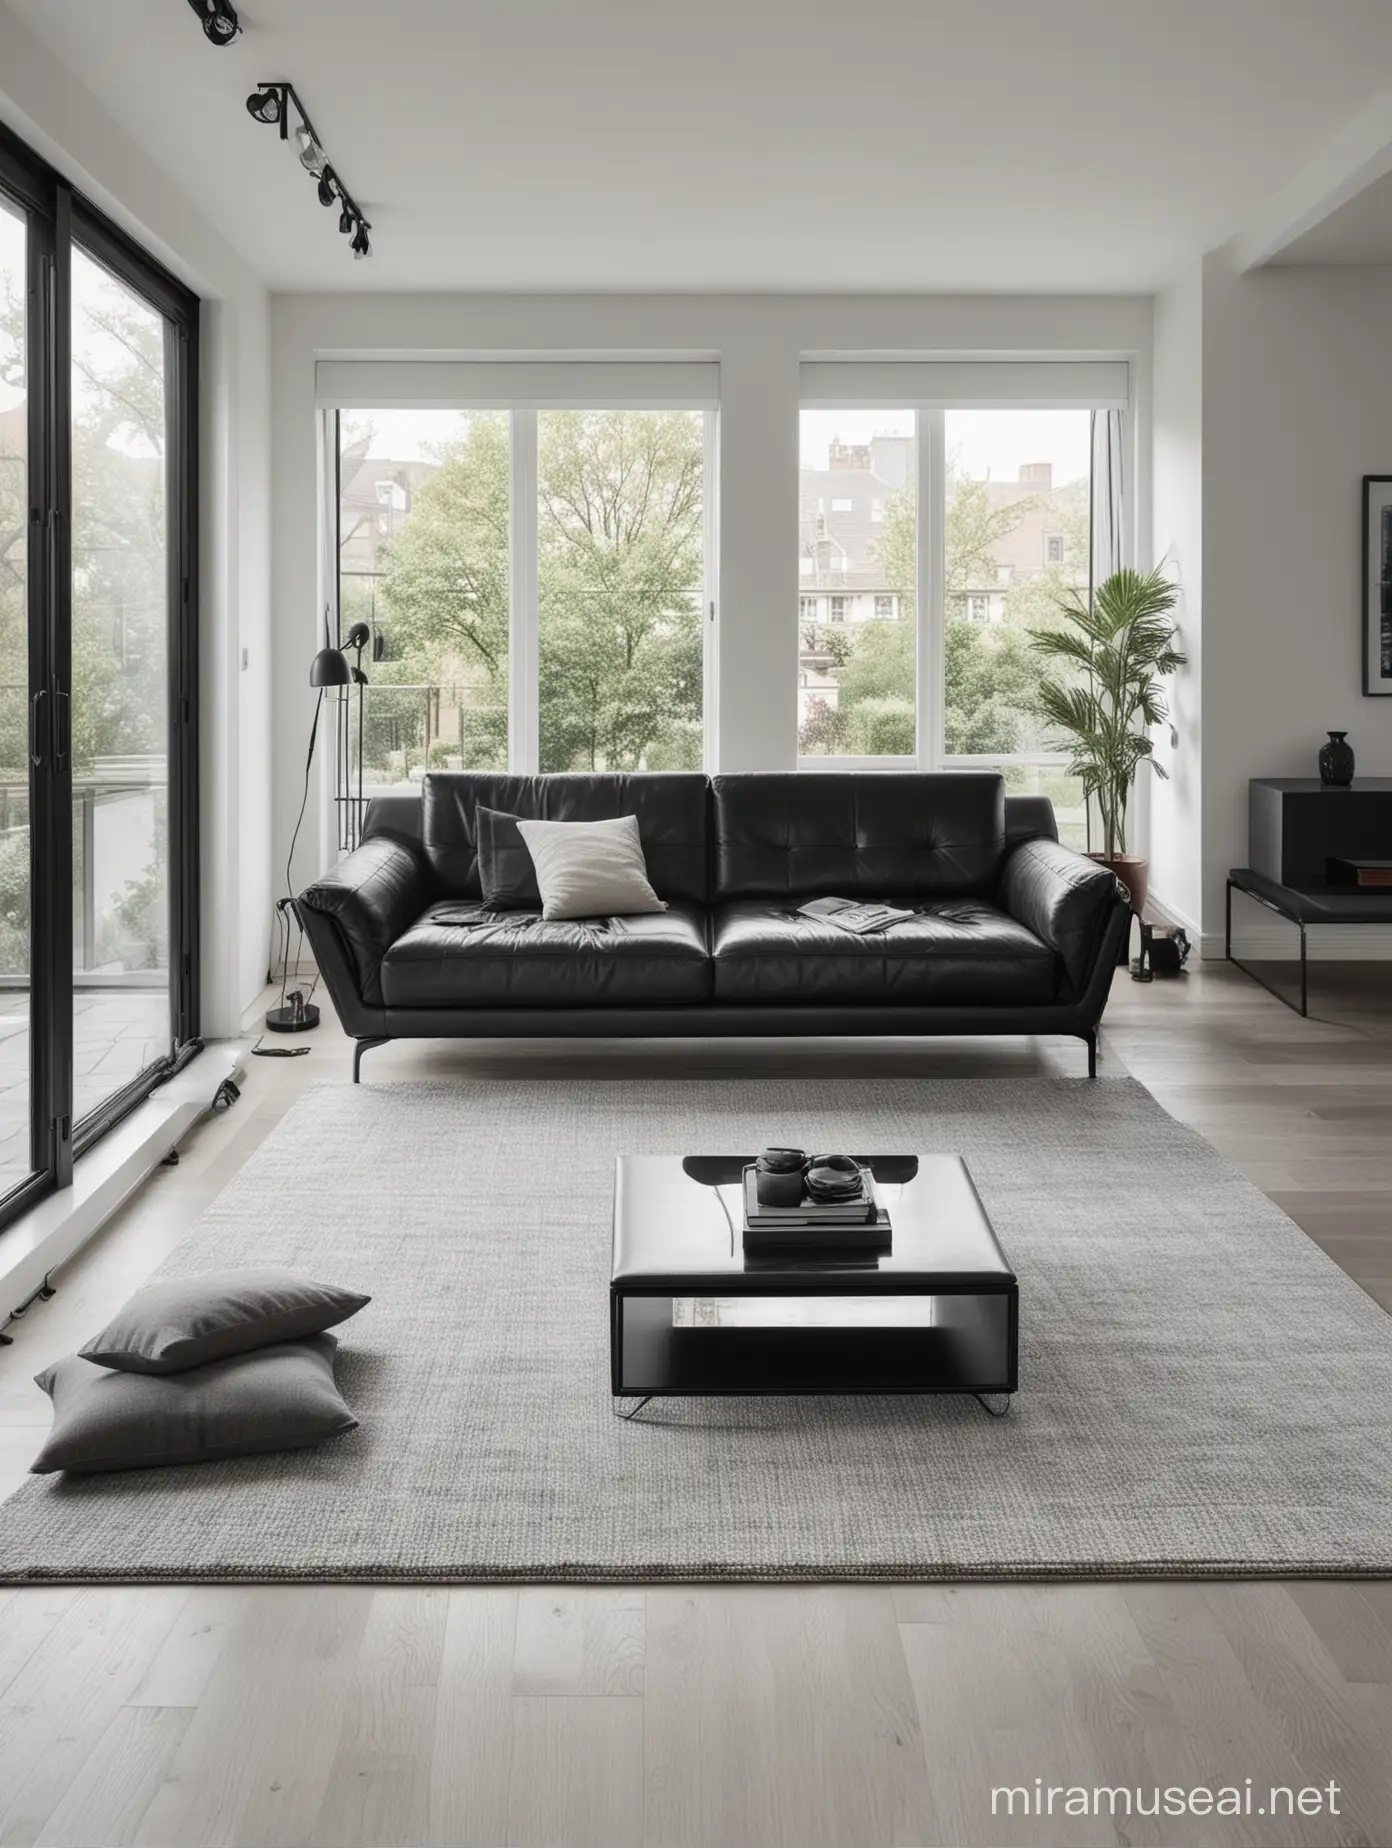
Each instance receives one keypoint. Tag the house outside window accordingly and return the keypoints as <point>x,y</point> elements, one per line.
<point>807,608</point>
<point>985,520</point>
<point>838,609</point>
<point>842,503</point>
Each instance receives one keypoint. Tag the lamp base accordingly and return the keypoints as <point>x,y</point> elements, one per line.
<point>292,1019</point>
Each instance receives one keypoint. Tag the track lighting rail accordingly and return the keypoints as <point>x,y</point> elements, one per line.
<point>272,101</point>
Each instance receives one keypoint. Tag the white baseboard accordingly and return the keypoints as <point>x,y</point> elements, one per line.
<point>58,1227</point>
<point>1171,914</point>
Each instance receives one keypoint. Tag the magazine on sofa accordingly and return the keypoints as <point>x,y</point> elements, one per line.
<point>854,915</point>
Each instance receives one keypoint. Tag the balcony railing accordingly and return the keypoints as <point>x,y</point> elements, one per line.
<point>120,874</point>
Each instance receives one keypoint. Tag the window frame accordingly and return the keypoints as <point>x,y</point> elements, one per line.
<point>60,220</point>
<point>524,628</point>
<point>930,632</point>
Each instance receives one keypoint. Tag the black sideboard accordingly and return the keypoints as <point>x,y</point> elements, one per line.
<point>1295,825</point>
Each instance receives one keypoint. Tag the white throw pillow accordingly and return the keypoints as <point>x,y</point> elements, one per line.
<point>590,869</point>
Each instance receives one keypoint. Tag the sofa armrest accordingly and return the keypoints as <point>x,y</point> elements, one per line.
<point>1066,899</point>
<point>368,900</point>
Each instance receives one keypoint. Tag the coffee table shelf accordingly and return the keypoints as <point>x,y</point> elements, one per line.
<point>938,1312</point>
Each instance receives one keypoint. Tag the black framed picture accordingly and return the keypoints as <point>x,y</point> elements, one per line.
<point>1377,584</point>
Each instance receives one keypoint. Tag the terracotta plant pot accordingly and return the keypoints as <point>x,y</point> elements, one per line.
<point>1134,874</point>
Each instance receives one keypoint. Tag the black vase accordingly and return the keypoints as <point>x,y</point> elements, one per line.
<point>1336,761</point>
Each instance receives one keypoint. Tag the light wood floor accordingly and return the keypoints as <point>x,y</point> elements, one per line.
<point>739,1715</point>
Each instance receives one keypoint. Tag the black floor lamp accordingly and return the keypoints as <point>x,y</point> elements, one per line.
<point>297,1013</point>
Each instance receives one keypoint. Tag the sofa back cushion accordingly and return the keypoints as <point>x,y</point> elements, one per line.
<point>870,835</point>
<point>671,809</point>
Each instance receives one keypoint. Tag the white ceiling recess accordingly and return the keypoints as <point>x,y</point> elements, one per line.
<point>815,145</point>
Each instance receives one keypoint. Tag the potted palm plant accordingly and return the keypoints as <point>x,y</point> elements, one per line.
<point>1119,648</point>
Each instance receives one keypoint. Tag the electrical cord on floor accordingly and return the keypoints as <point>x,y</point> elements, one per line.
<point>260,1051</point>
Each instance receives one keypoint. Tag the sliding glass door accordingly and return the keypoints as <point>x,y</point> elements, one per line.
<point>98,757</point>
<point>120,680</point>
<point>16,846</point>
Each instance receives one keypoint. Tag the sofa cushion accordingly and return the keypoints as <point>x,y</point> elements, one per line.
<point>672,810</point>
<point>459,955</point>
<point>802,836</point>
<point>507,874</point>
<point>590,869</point>
<point>961,952</point>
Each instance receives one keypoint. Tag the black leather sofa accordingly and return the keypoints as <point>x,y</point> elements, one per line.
<point>1011,933</point>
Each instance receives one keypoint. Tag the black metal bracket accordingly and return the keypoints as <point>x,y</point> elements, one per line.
<point>637,1408</point>
<point>990,1410</point>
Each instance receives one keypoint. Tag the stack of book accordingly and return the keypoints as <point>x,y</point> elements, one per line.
<point>860,1224</point>
<point>1363,875</point>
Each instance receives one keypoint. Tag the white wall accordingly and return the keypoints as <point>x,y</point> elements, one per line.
<point>1296,407</point>
<point>1176,817</point>
<point>758,341</point>
<point>42,102</point>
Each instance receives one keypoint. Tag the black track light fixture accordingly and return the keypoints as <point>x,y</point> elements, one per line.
<point>218,19</point>
<point>266,104</point>
<point>272,101</point>
<point>312,157</point>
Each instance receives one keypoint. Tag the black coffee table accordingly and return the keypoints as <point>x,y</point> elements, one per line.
<point>692,1314</point>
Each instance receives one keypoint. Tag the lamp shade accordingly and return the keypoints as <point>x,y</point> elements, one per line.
<point>329,668</point>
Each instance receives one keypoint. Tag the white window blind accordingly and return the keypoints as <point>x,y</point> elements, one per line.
<point>421,384</point>
<point>1057,385</point>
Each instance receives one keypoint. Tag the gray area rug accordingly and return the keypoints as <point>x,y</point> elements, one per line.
<point>1202,1390</point>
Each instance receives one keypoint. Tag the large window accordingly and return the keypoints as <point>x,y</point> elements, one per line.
<point>424,503</point>
<point>98,699</point>
<point>856,669</point>
<point>930,543</point>
<point>621,589</point>
<point>534,583</point>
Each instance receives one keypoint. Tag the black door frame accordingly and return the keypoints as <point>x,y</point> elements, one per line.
<point>59,218</point>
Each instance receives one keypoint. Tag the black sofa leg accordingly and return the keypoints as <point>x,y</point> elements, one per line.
<point>1091,1039</point>
<point>359,1048</point>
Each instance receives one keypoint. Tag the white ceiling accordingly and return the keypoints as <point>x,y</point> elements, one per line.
<point>738,144</point>
<point>1359,232</point>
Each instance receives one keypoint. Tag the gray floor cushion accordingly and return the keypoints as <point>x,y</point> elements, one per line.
<point>277,1398</point>
<point>183,1322</point>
